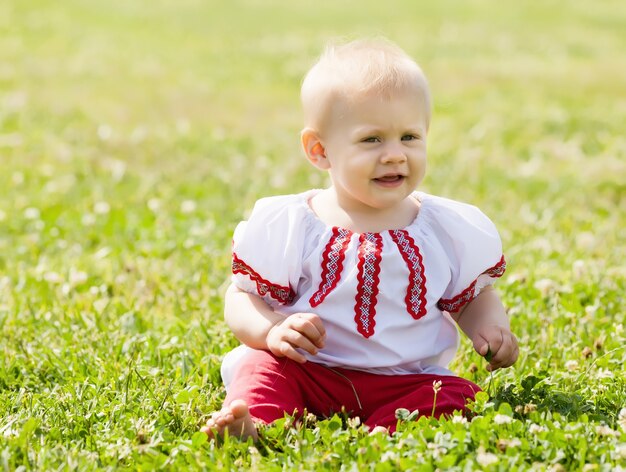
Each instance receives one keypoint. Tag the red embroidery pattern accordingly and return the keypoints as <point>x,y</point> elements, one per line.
<point>279,293</point>
<point>497,270</point>
<point>369,256</point>
<point>332,264</point>
<point>416,290</point>
<point>467,295</point>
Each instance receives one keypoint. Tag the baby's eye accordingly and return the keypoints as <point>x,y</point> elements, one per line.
<point>371,139</point>
<point>409,137</point>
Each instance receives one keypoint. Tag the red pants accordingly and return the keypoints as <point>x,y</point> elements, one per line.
<point>273,386</point>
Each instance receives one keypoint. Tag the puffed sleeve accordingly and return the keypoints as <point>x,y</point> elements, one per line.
<point>267,250</point>
<point>474,250</point>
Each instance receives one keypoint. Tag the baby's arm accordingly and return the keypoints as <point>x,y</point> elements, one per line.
<point>486,323</point>
<point>258,326</point>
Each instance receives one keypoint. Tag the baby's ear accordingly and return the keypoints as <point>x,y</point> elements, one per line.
<point>314,149</point>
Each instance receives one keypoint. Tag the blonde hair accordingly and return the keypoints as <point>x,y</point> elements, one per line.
<point>351,70</point>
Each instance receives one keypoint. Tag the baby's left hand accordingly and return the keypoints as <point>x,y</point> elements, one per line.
<point>500,343</point>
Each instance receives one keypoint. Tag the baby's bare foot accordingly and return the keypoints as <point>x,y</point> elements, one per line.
<point>379,430</point>
<point>234,418</point>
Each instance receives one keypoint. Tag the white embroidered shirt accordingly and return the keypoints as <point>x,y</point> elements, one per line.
<point>383,297</point>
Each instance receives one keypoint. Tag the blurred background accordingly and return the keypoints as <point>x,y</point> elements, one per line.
<point>131,101</point>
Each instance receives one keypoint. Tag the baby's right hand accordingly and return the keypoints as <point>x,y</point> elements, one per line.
<point>300,330</point>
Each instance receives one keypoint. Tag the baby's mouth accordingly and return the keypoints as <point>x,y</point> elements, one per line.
<point>390,178</point>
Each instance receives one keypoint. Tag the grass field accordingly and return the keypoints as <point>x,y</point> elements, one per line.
<point>134,134</point>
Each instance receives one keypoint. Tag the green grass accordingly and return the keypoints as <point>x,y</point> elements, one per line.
<point>135,134</point>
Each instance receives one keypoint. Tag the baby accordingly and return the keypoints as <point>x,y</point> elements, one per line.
<point>348,298</point>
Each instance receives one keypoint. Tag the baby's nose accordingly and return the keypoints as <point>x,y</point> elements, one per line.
<point>393,155</point>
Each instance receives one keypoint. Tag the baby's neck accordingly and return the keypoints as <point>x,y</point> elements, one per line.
<point>368,220</point>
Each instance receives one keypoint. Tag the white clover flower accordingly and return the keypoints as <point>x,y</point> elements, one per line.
<point>486,458</point>
<point>536,429</point>
<point>389,455</point>
<point>459,419</point>
<point>88,219</point>
<point>154,205</point>
<point>10,432</point>
<point>121,279</point>
<point>4,281</point>
<point>545,286</point>
<point>504,444</point>
<point>32,213</point>
<point>515,442</point>
<point>17,178</point>
<point>554,468</point>
<point>101,208</point>
<point>516,278</point>
<point>100,304</point>
<point>104,132</point>
<point>77,277</point>
<point>604,430</point>
<point>437,450</point>
<point>15,101</point>
<point>585,240</point>
<point>621,450</point>
<point>579,269</point>
<point>117,169</point>
<point>188,206</point>
<point>502,419</point>
<point>38,225</point>
<point>41,268</point>
<point>571,365</point>
<point>604,374</point>
<point>102,253</point>
<point>52,277</point>
<point>621,419</point>
<point>352,422</point>
<point>590,310</point>
<point>3,215</point>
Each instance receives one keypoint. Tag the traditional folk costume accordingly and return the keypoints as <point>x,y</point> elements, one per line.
<point>383,299</point>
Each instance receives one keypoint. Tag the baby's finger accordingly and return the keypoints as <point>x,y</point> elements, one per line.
<point>512,358</point>
<point>483,349</point>
<point>497,363</point>
<point>310,325</point>
<point>298,340</point>
<point>507,353</point>
<point>317,321</point>
<point>511,355</point>
<point>290,352</point>
<point>481,345</point>
<point>496,341</point>
<point>319,324</point>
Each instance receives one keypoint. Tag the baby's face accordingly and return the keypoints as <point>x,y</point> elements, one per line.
<point>376,148</point>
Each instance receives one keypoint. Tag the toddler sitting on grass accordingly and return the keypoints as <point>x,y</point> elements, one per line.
<point>348,298</point>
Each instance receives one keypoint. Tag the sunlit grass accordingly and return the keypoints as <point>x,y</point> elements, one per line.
<point>134,135</point>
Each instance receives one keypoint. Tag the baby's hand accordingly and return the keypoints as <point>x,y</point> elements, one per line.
<point>300,330</point>
<point>497,345</point>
